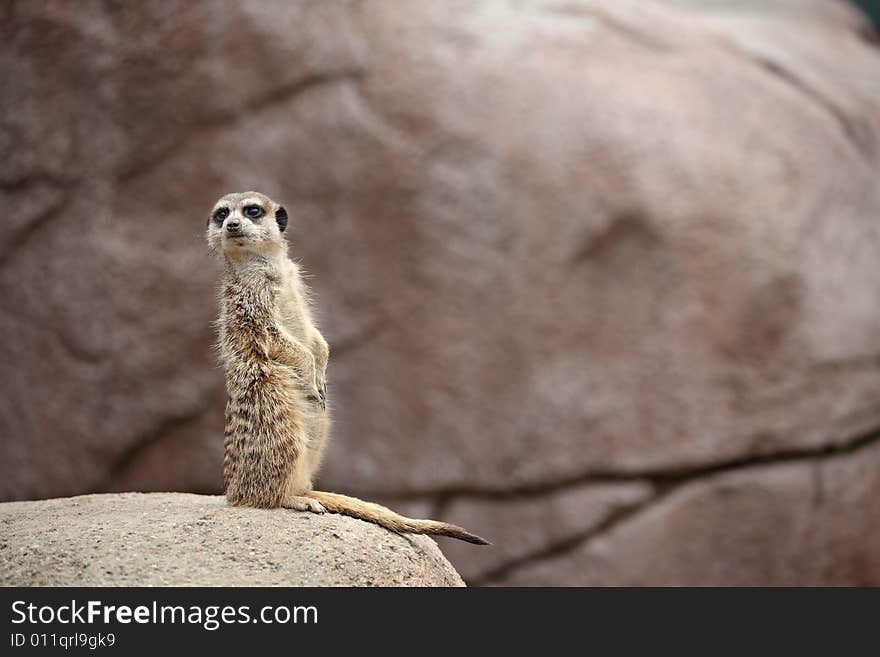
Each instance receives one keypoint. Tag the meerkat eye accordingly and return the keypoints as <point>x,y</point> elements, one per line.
<point>221,214</point>
<point>254,211</point>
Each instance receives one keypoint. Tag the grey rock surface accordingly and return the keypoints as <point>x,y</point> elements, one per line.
<point>177,539</point>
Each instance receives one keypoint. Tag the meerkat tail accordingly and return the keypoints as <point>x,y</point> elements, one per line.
<point>384,517</point>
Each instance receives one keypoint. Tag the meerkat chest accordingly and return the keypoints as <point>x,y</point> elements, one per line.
<point>293,312</point>
<point>247,311</point>
<point>293,321</point>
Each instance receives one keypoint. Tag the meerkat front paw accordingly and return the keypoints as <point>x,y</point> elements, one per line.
<point>299,503</point>
<point>319,396</point>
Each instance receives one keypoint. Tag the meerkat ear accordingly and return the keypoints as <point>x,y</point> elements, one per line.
<point>281,218</point>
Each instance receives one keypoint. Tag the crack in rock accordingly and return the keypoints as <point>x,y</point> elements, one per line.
<point>665,486</point>
<point>659,476</point>
<point>273,97</point>
<point>565,545</point>
<point>853,132</point>
<point>132,453</point>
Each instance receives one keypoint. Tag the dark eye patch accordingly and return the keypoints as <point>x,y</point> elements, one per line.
<point>254,211</point>
<point>220,214</point>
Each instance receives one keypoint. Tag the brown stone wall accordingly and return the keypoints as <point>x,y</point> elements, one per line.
<point>601,279</point>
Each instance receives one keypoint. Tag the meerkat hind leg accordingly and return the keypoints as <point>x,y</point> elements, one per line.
<point>300,503</point>
<point>298,482</point>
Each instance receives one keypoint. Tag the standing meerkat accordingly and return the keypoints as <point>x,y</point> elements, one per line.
<point>277,416</point>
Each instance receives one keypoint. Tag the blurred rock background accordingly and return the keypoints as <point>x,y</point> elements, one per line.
<point>601,279</point>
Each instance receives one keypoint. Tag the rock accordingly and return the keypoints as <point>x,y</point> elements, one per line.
<point>554,245</point>
<point>802,523</point>
<point>523,527</point>
<point>174,539</point>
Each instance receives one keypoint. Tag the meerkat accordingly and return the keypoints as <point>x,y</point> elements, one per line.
<point>275,360</point>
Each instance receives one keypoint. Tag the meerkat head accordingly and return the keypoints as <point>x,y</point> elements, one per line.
<point>246,223</point>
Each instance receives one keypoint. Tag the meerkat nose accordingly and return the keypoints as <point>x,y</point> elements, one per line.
<point>233,226</point>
